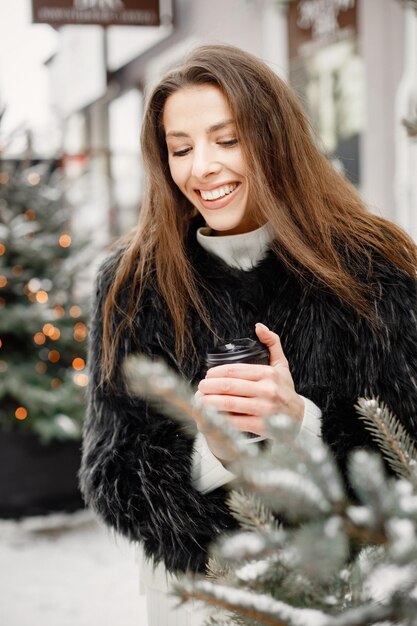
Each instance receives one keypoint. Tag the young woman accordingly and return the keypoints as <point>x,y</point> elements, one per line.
<point>245,230</point>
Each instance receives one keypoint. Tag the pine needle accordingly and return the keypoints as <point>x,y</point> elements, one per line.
<point>387,431</point>
<point>250,512</point>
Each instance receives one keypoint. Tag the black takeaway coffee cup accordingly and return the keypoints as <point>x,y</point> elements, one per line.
<point>238,351</point>
<point>243,350</point>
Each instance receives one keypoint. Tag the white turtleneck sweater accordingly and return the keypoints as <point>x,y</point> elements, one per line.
<point>244,252</point>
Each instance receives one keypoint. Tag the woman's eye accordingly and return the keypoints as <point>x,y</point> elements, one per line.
<point>228,142</point>
<point>180,153</point>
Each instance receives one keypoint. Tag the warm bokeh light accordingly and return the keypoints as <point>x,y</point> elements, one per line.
<point>2,303</point>
<point>48,329</point>
<point>65,240</point>
<point>34,285</point>
<point>30,214</point>
<point>81,380</point>
<point>17,270</point>
<point>34,178</point>
<point>21,413</point>
<point>55,383</point>
<point>75,311</point>
<point>39,339</point>
<point>1,343</point>
<point>78,363</point>
<point>53,356</point>
<point>59,311</point>
<point>41,367</point>
<point>80,331</point>
<point>3,366</point>
<point>4,178</point>
<point>2,249</point>
<point>55,334</point>
<point>3,281</point>
<point>42,297</point>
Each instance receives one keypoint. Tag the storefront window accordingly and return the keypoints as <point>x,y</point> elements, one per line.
<point>327,71</point>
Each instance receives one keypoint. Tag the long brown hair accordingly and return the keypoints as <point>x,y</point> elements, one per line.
<point>318,217</point>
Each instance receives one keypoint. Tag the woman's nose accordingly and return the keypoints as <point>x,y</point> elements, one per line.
<point>204,163</point>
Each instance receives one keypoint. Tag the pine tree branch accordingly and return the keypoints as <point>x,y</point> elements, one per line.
<point>394,441</point>
<point>251,512</point>
<point>266,610</point>
<point>290,450</point>
<point>364,535</point>
<point>168,392</point>
<point>261,607</point>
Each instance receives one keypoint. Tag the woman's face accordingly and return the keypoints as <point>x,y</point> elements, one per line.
<point>205,158</point>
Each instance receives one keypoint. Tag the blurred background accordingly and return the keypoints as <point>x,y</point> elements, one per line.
<point>73,78</point>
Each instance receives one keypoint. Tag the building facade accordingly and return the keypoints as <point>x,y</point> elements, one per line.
<point>353,63</point>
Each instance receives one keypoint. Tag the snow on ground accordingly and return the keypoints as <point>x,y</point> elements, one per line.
<point>66,570</point>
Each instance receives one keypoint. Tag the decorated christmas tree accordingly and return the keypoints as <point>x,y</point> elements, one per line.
<point>308,553</point>
<point>42,324</point>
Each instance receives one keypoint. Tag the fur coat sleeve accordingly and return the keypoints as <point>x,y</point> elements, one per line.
<point>136,467</point>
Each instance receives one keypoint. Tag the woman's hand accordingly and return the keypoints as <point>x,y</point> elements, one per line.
<point>248,393</point>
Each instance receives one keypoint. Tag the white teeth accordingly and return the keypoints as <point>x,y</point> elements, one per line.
<point>220,192</point>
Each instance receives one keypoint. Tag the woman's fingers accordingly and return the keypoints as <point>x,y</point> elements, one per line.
<point>243,422</point>
<point>238,404</point>
<point>229,386</point>
<point>273,343</point>
<point>248,424</point>
<point>245,371</point>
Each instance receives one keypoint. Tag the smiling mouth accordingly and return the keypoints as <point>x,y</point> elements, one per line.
<point>219,192</point>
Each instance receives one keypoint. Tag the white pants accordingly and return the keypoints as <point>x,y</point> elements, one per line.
<point>162,607</point>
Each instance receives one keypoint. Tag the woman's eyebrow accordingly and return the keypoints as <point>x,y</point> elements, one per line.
<point>211,129</point>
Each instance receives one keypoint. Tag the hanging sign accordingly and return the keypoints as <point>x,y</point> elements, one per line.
<point>101,12</point>
<point>314,24</point>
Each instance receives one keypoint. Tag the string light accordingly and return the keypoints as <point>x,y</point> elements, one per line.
<point>3,281</point>
<point>2,303</point>
<point>3,366</point>
<point>80,331</point>
<point>65,240</point>
<point>55,383</point>
<point>30,214</point>
<point>55,334</point>
<point>2,249</point>
<point>39,339</point>
<point>34,285</point>
<point>1,343</point>
<point>41,367</point>
<point>4,178</point>
<point>17,270</point>
<point>51,331</point>
<point>34,178</point>
<point>75,311</point>
<point>78,363</point>
<point>59,311</point>
<point>42,297</point>
<point>21,413</point>
<point>81,380</point>
<point>53,356</point>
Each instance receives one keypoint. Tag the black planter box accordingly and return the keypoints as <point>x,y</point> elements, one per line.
<point>36,478</point>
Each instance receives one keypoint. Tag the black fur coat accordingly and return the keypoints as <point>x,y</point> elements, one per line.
<point>136,464</point>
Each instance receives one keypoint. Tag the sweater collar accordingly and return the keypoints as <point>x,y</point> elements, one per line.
<point>242,251</point>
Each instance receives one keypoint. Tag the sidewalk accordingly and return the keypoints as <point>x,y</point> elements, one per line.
<point>66,570</point>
